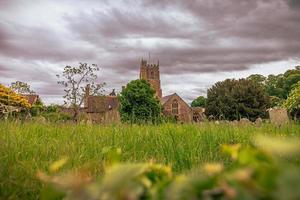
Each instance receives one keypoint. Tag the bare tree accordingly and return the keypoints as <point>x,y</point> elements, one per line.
<point>75,80</point>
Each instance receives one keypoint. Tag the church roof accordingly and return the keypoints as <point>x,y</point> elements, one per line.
<point>165,99</point>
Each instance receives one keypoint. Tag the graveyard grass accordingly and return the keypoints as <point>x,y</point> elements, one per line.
<point>26,148</point>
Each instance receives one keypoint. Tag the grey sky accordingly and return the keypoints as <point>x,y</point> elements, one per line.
<point>197,42</point>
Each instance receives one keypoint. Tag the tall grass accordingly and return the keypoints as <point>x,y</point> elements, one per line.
<point>28,147</point>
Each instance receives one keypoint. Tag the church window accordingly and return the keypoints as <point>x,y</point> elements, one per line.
<point>175,107</point>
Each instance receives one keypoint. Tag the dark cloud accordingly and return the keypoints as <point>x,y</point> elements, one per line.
<point>38,43</point>
<point>190,37</point>
<point>294,4</point>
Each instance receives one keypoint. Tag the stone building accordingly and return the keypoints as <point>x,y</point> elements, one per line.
<point>102,109</point>
<point>173,105</point>
<point>105,109</point>
<point>150,72</point>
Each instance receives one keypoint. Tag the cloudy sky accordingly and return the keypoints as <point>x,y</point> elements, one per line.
<point>198,42</point>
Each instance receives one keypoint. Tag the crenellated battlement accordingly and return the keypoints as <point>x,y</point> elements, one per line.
<point>150,72</point>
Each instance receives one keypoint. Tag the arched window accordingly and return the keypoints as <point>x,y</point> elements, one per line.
<point>175,107</point>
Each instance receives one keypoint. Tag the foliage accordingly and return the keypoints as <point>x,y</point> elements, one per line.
<point>257,78</point>
<point>75,80</point>
<point>37,108</point>
<point>9,98</point>
<point>139,104</point>
<point>275,101</point>
<point>199,102</point>
<point>282,84</point>
<point>255,174</point>
<point>293,102</point>
<point>236,99</point>
<point>21,87</point>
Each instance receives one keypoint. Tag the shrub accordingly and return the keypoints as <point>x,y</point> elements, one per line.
<point>9,98</point>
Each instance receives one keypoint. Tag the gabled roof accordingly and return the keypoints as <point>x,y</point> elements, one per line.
<point>165,99</point>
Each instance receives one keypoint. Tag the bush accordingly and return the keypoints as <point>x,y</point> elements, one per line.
<point>236,99</point>
<point>9,98</point>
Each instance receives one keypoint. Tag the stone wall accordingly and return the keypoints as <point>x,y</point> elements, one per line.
<point>184,111</point>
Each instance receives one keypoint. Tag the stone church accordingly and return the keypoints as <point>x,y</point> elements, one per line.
<point>104,109</point>
<point>173,105</point>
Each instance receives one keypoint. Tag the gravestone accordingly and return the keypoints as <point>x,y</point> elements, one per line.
<point>278,116</point>
<point>258,121</point>
<point>244,121</point>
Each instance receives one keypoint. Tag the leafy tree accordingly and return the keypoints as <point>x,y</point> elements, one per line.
<point>282,84</point>
<point>199,102</point>
<point>275,86</point>
<point>74,80</point>
<point>234,99</point>
<point>138,103</point>
<point>293,102</point>
<point>21,87</point>
<point>291,78</point>
<point>257,78</point>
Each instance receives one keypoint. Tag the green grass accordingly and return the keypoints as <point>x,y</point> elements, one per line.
<point>29,147</point>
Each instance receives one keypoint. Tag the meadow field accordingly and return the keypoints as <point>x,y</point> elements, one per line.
<point>26,148</point>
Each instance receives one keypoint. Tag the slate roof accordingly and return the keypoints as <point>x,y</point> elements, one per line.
<point>165,99</point>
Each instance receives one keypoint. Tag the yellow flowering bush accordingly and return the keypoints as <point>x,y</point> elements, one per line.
<point>10,98</point>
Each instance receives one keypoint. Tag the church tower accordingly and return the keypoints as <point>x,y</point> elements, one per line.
<point>150,72</point>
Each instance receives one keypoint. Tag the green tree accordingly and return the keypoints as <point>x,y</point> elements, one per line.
<point>21,87</point>
<point>199,102</point>
<point>74,80</point>
<point>257,78</point>
<point>138,103</point>
<point>234,99</point>
<point>275,86</point>
<point>293,102</point>
<point>291,78</point>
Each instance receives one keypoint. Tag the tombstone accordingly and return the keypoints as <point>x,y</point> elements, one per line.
<point>278,116</point>
<point>244,121</point>
<point>258,122</point>
<point>234,122</point>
